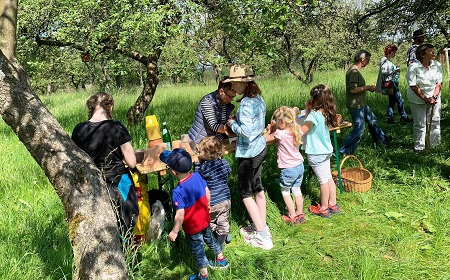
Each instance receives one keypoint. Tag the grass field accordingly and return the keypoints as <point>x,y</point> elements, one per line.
<point>398,230</point>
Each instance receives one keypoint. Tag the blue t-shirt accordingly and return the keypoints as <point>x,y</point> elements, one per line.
<point>317,140</point>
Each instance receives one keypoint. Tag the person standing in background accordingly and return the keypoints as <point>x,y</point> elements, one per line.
<point>389,72</point>
<point>212,113</point>
<point>356,103</point>
<point>424,78</point>
<point>419,38</point>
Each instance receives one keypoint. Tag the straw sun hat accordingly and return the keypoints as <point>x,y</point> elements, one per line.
<point>240,73</point>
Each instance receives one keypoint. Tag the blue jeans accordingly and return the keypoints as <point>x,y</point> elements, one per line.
<point>358,117</point>
<point>393,99</point>
<point>197,242</point>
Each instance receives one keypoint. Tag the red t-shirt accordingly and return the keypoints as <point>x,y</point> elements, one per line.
<point>190,195</point>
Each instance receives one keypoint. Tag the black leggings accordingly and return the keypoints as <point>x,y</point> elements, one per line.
<point>249,174</point>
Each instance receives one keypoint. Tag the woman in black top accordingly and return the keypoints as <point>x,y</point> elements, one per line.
<point>108,143</point>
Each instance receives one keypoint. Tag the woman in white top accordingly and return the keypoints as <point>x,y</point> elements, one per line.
<point>424,79</point>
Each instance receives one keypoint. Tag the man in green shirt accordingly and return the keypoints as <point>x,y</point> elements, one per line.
<point>356,103</point>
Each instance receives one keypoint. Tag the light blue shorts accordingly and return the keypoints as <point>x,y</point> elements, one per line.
<point>292,177</point>
<point>317,160</point>
<point>321,167</point>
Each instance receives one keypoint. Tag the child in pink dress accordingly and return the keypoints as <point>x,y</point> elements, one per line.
<point>286,132</point>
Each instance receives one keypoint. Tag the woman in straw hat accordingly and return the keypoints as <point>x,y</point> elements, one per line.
<point>248,125</point>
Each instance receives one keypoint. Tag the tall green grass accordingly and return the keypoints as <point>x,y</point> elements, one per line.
<point>398,230</point>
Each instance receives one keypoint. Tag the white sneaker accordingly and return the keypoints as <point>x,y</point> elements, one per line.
<point>245,231</point>
<point>256,240</point>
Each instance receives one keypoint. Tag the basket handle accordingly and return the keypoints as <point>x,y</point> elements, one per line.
<point>350,156</point>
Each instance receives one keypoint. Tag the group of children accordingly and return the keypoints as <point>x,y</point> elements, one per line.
<point>201,199</point>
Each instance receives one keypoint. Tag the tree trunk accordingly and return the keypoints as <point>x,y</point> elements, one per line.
<point>137,111</point>
<point>8,26</point>
<point>91,221</point>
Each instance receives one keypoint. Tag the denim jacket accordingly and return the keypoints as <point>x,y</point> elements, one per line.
<point>249,125</point>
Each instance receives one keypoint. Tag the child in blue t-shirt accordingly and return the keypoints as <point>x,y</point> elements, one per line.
<point>215,171</point>
<point>190,199</point>
<point>320,115</point>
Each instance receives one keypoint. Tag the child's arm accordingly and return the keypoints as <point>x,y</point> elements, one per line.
<point>306,127</point>
<point>270,134</point>
<point>178,221</point>
<point>208,197</point>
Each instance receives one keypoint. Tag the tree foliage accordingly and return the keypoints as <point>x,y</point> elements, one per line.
<point>177,40</point>
<point>399,18</point>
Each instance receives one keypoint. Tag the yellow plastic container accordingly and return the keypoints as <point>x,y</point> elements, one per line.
<point>152,128</point>
<point>142,226</point>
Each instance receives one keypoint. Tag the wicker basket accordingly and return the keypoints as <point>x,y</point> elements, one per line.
<point>354,179</point>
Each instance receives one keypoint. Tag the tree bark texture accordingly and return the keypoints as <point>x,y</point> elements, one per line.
<point>91,221</point>
<point>8,26</point>
<point>136,112</point>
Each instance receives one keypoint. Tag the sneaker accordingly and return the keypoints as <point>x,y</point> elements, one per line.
<point>287,219</point>
<point>218,264</point>
<point>334,209</point>
<point>245,231</point>
<point>390,121</point>
<point>315,209</point>
<point>297,220</point>
<point>198,277</point>
<point>256,240</point>
<point>228,239</point>
<point>300,219</point>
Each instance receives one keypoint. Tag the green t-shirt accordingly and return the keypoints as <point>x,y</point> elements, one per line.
<point>354,79</point>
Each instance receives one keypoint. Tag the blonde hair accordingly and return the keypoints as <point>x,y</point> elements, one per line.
<point>287,115</point>
<point>211,147</point>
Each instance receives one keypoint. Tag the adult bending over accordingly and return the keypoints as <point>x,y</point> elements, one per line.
<point>424,79</point>
<point>356,103</point>
<point>250,151</point>
<point>108,143</point>
<point>212,113</point>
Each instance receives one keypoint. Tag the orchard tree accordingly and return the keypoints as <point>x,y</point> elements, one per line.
<point>402,17</point>
<point>91,221</point>
<point>298,35</point>
<point>137,30</point>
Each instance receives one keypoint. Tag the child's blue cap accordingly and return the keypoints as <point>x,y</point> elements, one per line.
<point>179,160</point>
